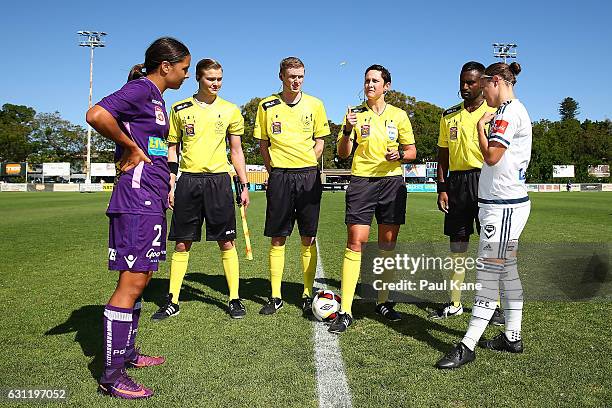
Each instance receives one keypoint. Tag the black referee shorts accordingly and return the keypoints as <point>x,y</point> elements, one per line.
<point>384,197</point>
<point>293,194</point>
<point>199,197</point>
<point>462,194</point>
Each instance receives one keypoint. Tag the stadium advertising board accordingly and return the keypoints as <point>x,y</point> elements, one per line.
<point>103,169</point>
<point>40,187</point>
<point>255,167</point>
<point>90,187</point>
<point>13,187</point>
<point>65,187</point>
<point>432,169</point>
<point>606,187</point>
<point>421,188</point>
<point>56,169</point>
<point>590,187</point>
<point>599,171</point>
<point>532,187</point>
<point>563,170</point>
<point>548,188</point>
<point>13,169</point>
<point>415,170</point>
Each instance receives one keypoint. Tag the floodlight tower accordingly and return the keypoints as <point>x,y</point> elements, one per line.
<point>504,50</point>
<point>91,39</point>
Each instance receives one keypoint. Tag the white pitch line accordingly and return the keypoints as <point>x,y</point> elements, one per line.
<point>332,386</point>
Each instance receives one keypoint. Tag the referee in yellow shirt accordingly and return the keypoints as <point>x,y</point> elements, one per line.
<point>201,126</point>
<point>377,188</point>
<point>459,164</point>
<point>290,127</point>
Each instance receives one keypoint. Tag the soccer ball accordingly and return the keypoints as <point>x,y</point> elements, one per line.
<point>325,305</point>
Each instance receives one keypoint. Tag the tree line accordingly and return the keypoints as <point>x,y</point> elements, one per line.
<point>26,135</point>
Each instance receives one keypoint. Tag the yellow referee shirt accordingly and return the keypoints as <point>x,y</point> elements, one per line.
<point>291,130</point>
<point>202,132</point>
<point>459,134</point>
<point>374,134</point>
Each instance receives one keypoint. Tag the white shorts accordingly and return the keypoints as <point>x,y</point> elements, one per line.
<point>500,229</point>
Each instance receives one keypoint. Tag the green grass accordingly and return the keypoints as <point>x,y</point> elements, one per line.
<point>54,283</point>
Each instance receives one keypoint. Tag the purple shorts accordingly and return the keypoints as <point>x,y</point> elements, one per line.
<point>136,242</point>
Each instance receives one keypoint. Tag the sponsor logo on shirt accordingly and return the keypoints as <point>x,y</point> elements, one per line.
<point>157,146</point>
<point>276,128</point>
<point>160,116</point>
<point>189,129</point>
<point>152,255</point>
<point>219,126</point>
<point>270,104</point>
<point>307,121</point>
<point>156,102</point>
<point>489,230</point>
<point>130,260</point>
<point>391,132</point>
<point>499,127</point>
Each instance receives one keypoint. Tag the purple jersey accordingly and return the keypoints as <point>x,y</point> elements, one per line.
<point>140,111</point>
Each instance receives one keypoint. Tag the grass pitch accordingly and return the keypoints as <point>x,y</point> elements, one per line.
<point>54,284</point>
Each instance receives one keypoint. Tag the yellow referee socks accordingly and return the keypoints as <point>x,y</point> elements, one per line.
<point>309,265</point>
<point>231,268</point>
<point>350,275</point>
<point>277,265</point>
<point>178,269</point>
<point>457,277</point>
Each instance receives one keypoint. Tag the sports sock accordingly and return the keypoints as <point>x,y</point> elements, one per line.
<point>485,302</point>
<point>387,276</point>
<point>350,275</point>
<point>512,299</point>
<point>117,324</point>
<point>178,269</point>
<point>309,267</point>
<point>277,265</point>
<point>456,278</point>
<point>130,349</point>
<point>231,268</point>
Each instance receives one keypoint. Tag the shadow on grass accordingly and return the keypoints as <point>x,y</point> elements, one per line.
<point>254,289</point>
<point>86,322</point>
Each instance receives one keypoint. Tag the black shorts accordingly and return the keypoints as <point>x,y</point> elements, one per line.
<point>462,194</point>
<point>384,197</point>
<point>293,194</point>
<point>199,197</point>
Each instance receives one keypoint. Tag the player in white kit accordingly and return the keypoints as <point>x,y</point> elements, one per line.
<point>504,209</point>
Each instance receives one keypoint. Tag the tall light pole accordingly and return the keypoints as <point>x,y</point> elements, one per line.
<point>504,50</point>
<point>91,39</point>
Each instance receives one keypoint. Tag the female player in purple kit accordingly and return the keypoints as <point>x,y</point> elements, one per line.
<point>135,118</point>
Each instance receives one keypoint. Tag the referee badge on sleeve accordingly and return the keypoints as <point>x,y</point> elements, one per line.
<point>276,128</point>
<point>453,133</point>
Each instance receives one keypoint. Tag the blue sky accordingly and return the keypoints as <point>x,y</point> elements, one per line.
<point>564,48</point>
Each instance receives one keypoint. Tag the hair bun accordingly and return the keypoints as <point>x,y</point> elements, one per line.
<point>137,71</point>
<point>515,68</point>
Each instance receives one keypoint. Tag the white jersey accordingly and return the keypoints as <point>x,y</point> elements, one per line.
<point>503,185</point>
